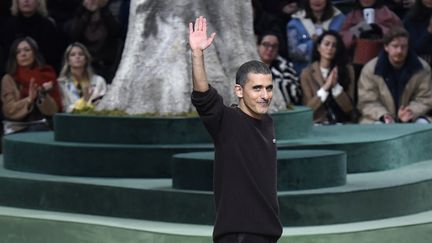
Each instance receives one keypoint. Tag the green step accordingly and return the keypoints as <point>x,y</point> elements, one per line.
<point>368,148</point>
<point>365,196</point>
<point>38,152</point>
<point>291,124</point>
<point>297,170</point>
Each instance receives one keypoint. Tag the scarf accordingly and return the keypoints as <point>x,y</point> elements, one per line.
<point>40,75</point>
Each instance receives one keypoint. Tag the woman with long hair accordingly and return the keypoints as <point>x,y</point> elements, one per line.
<point>80,86</point>
<point>96,27</point>
<point>30,92</point>
<point>327,83</point>
<point>305,27</point>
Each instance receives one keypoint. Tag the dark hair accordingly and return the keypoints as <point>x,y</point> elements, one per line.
<point>419,12</point>
<point>328,11</point>
<point>12,63</point>
<point>377,4</point>
<point>393,33</point>
<point>255,67</point>
<point>340,59</point>
<point>261,36</point>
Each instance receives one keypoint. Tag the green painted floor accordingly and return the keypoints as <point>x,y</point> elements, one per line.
<point>35,226</point>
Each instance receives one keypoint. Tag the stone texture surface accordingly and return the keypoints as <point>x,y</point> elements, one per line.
<point>155,72</point>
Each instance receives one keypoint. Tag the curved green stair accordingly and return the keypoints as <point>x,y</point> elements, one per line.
<point>368,148</point>
<point>365,196</point>
<point>297,170</point>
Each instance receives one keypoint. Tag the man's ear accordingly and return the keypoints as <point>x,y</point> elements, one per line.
<point>238,89</point>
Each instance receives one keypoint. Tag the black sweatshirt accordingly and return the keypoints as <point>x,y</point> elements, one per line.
<point>245,180</point>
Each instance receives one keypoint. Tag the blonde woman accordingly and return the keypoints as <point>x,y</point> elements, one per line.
<point>80,86</point>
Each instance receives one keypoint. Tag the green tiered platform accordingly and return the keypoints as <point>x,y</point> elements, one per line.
<point>297,170</point>
<point>99,179</point>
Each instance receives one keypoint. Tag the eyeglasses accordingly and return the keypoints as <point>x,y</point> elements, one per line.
<point>268,45</point>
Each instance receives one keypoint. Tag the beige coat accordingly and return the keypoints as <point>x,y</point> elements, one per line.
<point>375,99</point>
<point>312,80</point>
<point>16,108</point>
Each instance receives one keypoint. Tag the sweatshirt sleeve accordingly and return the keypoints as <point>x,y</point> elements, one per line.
<point>210,107</point>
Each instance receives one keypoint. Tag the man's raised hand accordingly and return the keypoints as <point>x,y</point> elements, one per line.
<point>198,39</point>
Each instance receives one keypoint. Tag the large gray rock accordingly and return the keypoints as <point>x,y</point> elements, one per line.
<point>155,71</point>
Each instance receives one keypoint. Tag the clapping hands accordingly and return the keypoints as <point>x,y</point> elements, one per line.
<point>331,79</point>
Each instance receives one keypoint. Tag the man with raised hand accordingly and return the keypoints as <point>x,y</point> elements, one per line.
<point>244,183</point>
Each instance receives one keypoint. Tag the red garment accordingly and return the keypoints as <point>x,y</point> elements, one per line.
<point>384,18</point>
<point>40,75</point>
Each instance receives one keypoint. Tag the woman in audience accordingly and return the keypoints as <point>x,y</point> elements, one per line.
<point>418,22</point>
<point>30,18</point>
<point>356,26</point>
<point>96,27</point>
<point>29,91</point>
<point>80,86</point>
<point>305,27</point>
<point>327,83</point>
<point>283,71</point>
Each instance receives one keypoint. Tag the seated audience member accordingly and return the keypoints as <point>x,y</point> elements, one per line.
<point>363,34</point>
<point>327,83</point>
<point>30,18</point>
<point>418,23</point>
<point>396,85</point>
<point>80,86</point>
<point>356,26</point>
<point>95,26</point>
<point>283,72</point>
<point>29,91</point>
<point>305,27</point>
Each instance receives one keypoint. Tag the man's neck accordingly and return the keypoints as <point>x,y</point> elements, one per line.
<point>248,112</point>
<point>397,66</point>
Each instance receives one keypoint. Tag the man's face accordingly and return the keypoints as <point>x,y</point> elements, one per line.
<point>256,94</point>
<point>397,51</point>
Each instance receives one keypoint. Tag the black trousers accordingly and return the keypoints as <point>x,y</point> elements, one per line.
<point>246,238</point>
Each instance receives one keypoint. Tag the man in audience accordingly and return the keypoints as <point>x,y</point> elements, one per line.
<point>396,85</point>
